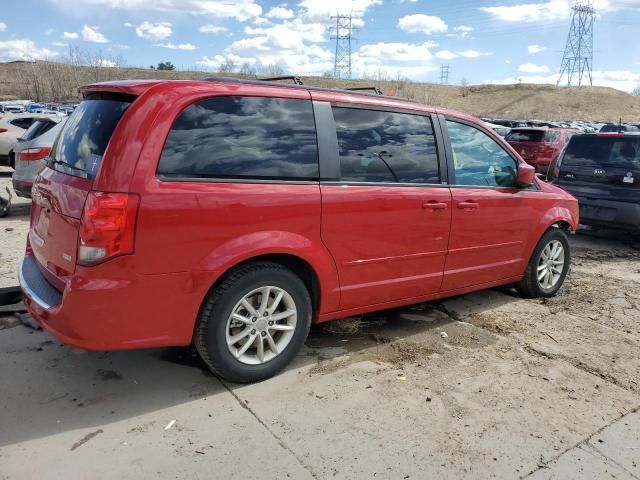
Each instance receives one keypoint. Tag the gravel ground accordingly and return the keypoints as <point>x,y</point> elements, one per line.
<point>517,389</point>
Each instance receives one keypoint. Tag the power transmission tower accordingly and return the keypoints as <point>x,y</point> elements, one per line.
<point>444,74</point>
<point>577,61</point>
<point>342,60</point>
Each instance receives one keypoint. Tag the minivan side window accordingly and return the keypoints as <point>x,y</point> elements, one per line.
<point>478,159</point>
<point>386,147</point>
<point>243,138</point>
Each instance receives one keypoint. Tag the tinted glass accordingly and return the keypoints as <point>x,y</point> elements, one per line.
<point>243,137</point>
<point>390,147</point>
<point>23,123</point>
<point>37,128</point>
<point>592,151</point>
<point>85,136</point>
<point>614,128</point>
<point>478,159</point>
<point>526,136</point>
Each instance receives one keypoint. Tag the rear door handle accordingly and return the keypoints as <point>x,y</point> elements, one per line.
<point>433,205</point>
<point>470,205</point>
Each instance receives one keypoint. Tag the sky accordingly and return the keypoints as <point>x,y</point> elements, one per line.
<point>483,41</point>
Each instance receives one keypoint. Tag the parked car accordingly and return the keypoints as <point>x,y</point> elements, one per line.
<point>31,150</point>
<point>12,127</point>
<point>232,214</point>
<point>499,129</point>
<point>618,128</point>
<point>10,108</point>
<point>603,171</point>
<point>539,147</point>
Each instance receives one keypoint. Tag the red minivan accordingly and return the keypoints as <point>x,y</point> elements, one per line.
<point>232,214</point>
<point>539,147</point>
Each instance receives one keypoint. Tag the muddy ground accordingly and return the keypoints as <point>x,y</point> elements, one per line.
<point>515,389</point>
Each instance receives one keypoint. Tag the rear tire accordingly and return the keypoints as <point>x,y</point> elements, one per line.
<point>548,267</point>
<point>12,160</point>
<point>253,323</point>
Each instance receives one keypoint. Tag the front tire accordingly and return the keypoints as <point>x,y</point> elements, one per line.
<point>548,267</point>
<point>253,322</point>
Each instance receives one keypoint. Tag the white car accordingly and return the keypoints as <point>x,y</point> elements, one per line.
<point>12,126</point>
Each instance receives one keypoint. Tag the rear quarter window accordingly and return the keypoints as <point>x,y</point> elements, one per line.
<point>243,138</point>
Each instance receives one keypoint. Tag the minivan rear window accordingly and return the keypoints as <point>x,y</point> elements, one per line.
<point>532,136</point>
<point>233,137</point>
<point>84,138</point>
<point>37,128</point>
<point>594,151</point>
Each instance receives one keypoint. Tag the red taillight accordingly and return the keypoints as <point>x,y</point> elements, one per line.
<point>2,130</point>
<point>610,134</point>
<point>31,154</point>
<point>108,227</point>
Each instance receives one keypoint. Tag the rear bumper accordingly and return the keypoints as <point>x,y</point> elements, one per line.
<point>610,214</point>
<point>103,314</point>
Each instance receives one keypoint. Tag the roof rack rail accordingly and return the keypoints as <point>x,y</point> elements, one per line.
<point>375,90</point>
<point>293,78</point>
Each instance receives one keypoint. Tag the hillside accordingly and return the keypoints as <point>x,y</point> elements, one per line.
<point>58,82</point>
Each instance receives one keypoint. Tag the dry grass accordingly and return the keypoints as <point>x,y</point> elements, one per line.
<point>59,82</point>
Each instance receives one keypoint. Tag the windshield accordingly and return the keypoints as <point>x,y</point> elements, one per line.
<point>85,136</point>
<point>591,151</point>
<point>532,136</point>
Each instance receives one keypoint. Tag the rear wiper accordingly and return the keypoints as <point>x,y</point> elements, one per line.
<point>66,165</point>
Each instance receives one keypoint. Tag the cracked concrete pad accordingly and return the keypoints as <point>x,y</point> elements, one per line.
<point>496,411</point>
<point>113,408</point>
<point>582,463</point>
<point>621,442</point>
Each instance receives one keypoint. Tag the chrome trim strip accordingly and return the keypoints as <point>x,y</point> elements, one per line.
<point>30,292</point>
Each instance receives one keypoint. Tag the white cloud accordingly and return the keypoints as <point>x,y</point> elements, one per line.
<point>321,10</point>
<point>533,68</point>
<point>241,10</point>
<point>154,31</point>
<point>3,26</point>
<point>127,24</point>
<point>70,35</point>
<point>533,49</point>
<point>24,49</point>
<point>212,29</point>
<point>91,34</point>
<point>426,24</point>
<point>463,30</point>
<point>172,46</point>
<point>474,54</point>
<point>59,44</point>
<point>280,13</point>
<point>445,55</point>
<point>531,12</point>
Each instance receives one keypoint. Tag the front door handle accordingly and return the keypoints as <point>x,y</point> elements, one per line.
<point>469,205</point>
<point>433,205</point>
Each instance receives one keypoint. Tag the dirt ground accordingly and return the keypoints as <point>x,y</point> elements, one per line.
<point>515,389</point>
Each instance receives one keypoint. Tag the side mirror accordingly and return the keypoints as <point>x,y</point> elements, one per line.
<point>526,175</point>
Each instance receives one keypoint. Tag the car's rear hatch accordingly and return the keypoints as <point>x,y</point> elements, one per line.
<point>61,189</point>
<point>533,145</point>
<point>603,167</point>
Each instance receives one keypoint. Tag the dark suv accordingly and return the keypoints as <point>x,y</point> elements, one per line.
<point>603,171</point>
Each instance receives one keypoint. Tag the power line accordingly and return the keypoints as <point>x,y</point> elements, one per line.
<point>342,36</point>
<point>444,74</point>
<point>577,61</point>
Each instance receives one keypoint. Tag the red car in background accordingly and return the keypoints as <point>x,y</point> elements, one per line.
<point>539,147</point>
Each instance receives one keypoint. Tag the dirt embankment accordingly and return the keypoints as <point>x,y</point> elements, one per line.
<point>48,81</point>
